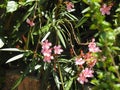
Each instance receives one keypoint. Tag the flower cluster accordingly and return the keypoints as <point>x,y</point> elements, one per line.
<point>88,60</point>
<point>84,74</point>
<point>47,51</point>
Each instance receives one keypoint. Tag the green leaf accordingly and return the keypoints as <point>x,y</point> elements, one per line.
<point>95,81</point>
<point>31,37</point>
<point>45,37</point>
<point>1,43</point>
<point>112,68</point>
<point>12,6</point>
<point>69,84</point>
<point>117,31</point>
<point>72,17</point>
<point>30,0</point>
<point>57,81</point>
<point>93,27</point>
<point>85,10</point>
<point>15,58</point>
<point>116,48</point>
<point>81,21</point>
<point>17,82</point>
<point>12,49</point>
<point>45,28</point>
<point>116,86</point>
<point>61,38</point>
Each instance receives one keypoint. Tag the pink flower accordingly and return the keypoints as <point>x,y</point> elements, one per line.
<point>57,49</point>
<point>79,61</point>
<point>30,22</point>
<point>46,52</point>
<point>81,79</point>
<point>105,9</point>
<point>92,46</point>
<point>88,72</point>
<point>46,44</point>
<point>48,58</point>
<point>84,74</point>
<point>70,6</point>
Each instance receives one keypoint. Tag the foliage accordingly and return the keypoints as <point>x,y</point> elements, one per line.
<point>59,39</point>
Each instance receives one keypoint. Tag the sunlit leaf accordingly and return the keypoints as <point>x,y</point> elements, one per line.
<point>45,37</point>
<point>11,49</point>
<point>37,67</point>
<point>117,31</point>
<point>57,81</point>
<point>45,28</point>
<point>69,84</point>
<point>116,48</point>
<point>113,68</point>
<point>1,43</point>
<point>86,10</point>
<point>30,0</point>
<point>12,6</point>
<point>72,17</point>
<point>95,81</point>
<point>15,58</point>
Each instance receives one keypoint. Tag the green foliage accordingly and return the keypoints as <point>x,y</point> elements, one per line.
<point>70,29</point>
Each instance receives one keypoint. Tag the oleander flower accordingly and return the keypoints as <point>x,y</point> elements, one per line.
<point>46,52</point>
<point>88,72</point>
<point>82,78</point>
<point>92,46</point>
<point>70,6</point>
<point>30,22</point>
<point>79,61</point>
<point>46,44</point>
<point>105,9</point>
<point>48,58</point>
<point>57,49</point>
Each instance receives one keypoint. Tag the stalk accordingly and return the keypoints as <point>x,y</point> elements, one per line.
<point>61,77</point>
<point>113,62</point>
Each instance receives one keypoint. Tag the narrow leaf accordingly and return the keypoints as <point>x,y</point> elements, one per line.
<point>17,82</point>
<point>86,10</point>
<point>57,81</point>
<point>15,58</point>
<point>61,38</point>
<point>1,43</point>
<point>69,83</point>
<point>11,49</point>
<point>81,21</point>
<point>45,37</point>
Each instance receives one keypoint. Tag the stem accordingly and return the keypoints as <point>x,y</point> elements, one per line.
<point>71,44</point>
<point>28,39</point>
<point>61,77</point>
<point>60,1</point>
<point>113,62</point>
